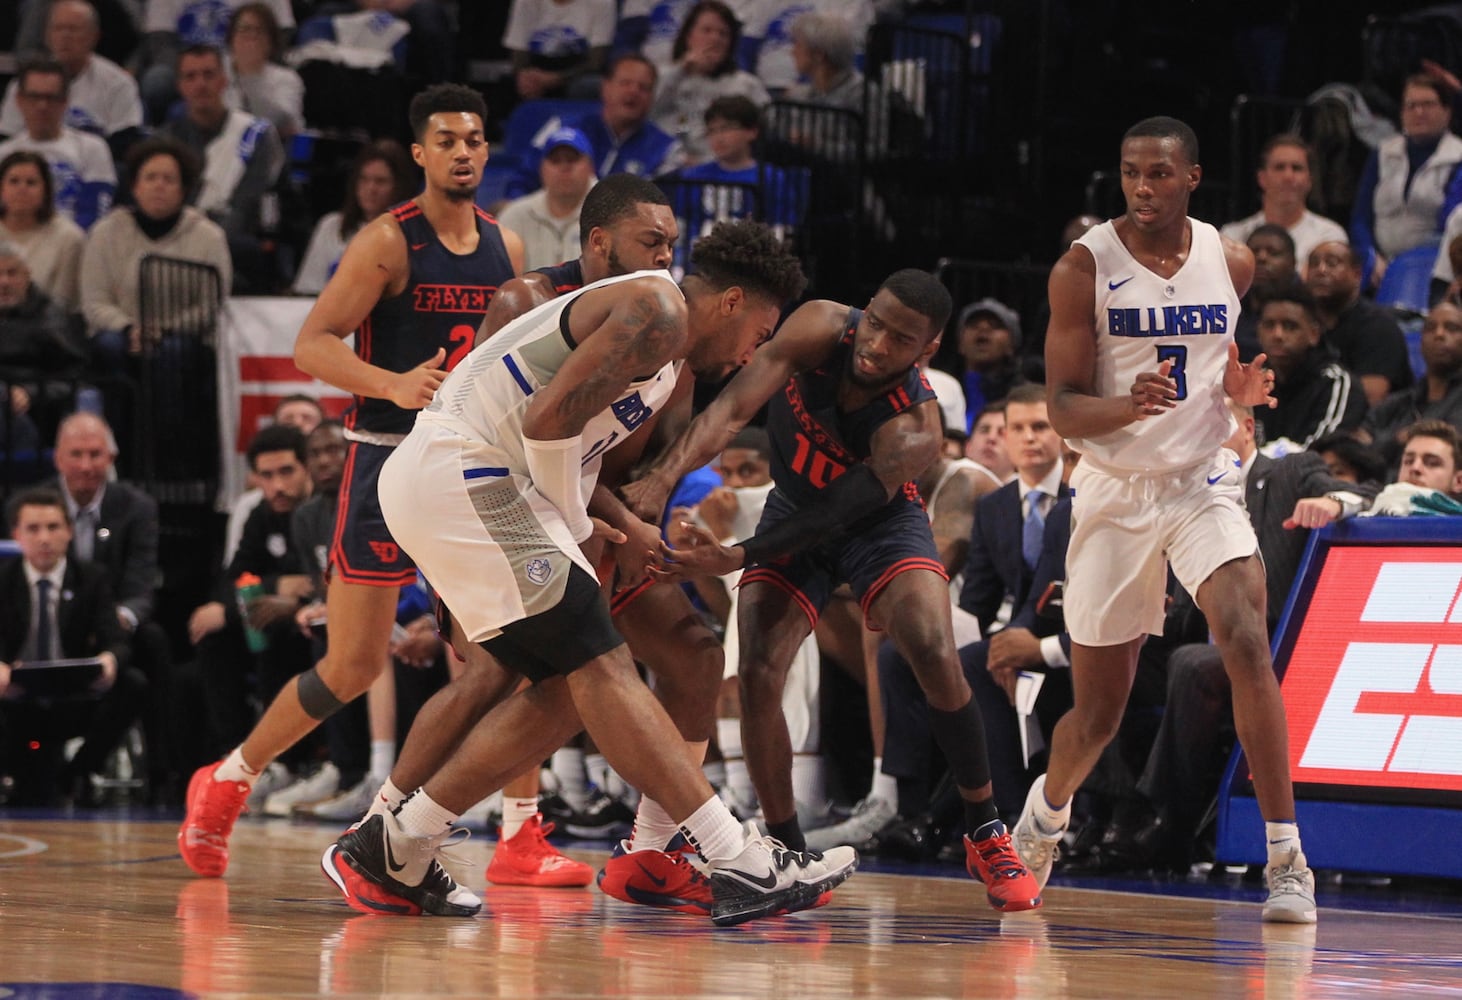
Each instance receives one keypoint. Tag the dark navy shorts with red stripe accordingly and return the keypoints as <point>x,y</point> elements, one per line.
<point>866,559</point>
<point>363,550</point>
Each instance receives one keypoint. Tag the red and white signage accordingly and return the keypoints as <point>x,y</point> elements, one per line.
<point>255,371</point>
<point>1373,687</point>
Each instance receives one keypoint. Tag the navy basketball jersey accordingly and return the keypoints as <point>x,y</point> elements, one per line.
<point>442,306</point>
<point>813,442</point>
<point>566,277</point>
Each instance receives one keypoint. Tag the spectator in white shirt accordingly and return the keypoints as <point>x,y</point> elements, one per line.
<point>81,163</point>
<point>103,96</point>
<point>548,219</point>
<point>257,83</point>
<point>51,243</point>
<point>1284,179</point>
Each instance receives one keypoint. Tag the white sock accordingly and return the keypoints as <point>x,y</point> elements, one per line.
<point>1050,819</point>
<point>1281,839</point>
<point>383,756</point>
<point>233,768</point>
<point>420,816</point>
<point>728,738</point>
<point>516,812</point>
<point>885,786</point>
<point>653,827</point>
<point>738,781</point>
<point>809,781</point>
<point>391,796</point>
<point>597,769</point>
<point>713,831</point>
<point>568,767</point>
<point>715,772</point>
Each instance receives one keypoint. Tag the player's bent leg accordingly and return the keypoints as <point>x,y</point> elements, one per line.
<point>913,611</point>
<point>772,626</point>
<point>363,616</point>
<point>670,638</point>
<point>366,863</point>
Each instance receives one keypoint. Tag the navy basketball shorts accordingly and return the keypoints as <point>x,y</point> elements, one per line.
<point>867,557</point>
<point>363,550</point>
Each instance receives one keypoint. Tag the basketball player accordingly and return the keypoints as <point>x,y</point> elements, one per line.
<point>1139,356</point>
<point>853,424</point>
<point>488,494</point>
<point>412,286</point>
<point>627,225</point>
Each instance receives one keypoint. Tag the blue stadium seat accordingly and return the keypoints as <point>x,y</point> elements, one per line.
<point>1408,278</point>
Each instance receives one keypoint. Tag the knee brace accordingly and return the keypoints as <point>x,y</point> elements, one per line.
<point>318,701</point>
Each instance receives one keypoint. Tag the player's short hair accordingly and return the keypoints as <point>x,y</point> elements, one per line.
<point>1163,127</point>
<point>1442,431</point>
<point>443,98</point>
<point>1299,295</point>
<point>748,253</point>
<point>753,439</point>
<point>923,293</point>
<point>614,198</point>
<point>277,437</point>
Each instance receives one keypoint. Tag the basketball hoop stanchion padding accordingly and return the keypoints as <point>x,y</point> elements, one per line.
<point>1369,656</point>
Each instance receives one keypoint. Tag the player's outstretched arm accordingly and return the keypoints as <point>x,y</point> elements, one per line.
<point>373,267</point>
<point>1077,411</point>
<point>807,336</point>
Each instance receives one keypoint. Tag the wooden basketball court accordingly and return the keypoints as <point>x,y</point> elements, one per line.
<point>108,901</point>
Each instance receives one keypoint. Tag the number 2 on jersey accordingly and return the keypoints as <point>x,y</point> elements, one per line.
<point>1178,355</point>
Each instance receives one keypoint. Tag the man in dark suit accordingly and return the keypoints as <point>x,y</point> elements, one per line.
<point>53,607</point>
<point>1286,498</point>
<point>115,526</point>
<point>1010,548</point>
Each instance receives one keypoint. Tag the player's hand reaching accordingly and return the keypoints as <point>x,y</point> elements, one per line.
<point>414,388</point>
<point>700,555</point>
<point>645,498</point>
<point>636,553</point>
<point>1248,384</point>
<point>1154,392</point>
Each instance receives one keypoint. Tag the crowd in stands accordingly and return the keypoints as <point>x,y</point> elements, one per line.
<point>192,142</point>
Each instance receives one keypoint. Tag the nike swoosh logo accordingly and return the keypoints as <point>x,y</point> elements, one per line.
<point>768,881</point>
<point>418,246</point>
<point>658,881</point>
<point>1112,286</point>
<point>1214,479</point>
<point>391,858</point>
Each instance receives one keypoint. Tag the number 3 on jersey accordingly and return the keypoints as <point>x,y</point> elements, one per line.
<point>1178,355</point>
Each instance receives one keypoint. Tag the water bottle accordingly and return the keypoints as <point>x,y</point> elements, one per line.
<point>246,588</point>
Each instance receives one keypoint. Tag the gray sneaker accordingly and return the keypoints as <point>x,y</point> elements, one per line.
<point>347,805</point>
<point>274,777</point>
<point>868,817</point>
<point>1291,891</point>
<point>767,879</point>
<point>1037,849</point>
<point>324,783</point>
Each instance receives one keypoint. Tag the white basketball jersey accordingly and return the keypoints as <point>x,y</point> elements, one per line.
<point>1142,320</point>
<point>484,397</point>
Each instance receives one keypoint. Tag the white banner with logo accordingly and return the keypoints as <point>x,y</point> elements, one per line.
<point>255,371</point>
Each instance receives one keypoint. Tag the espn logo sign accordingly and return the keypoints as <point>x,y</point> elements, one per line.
<point>1373,687</point>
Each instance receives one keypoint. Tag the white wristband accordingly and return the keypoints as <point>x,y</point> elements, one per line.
<point>554,467</point>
